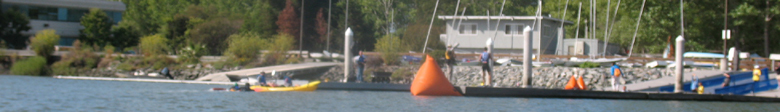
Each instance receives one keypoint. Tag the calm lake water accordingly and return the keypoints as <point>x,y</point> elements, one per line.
<point>26,93</point>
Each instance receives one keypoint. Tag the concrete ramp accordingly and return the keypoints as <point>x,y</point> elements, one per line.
<point>653,85</point>
<point>296,69</point>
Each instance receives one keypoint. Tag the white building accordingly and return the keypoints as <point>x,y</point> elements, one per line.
<point>62,15</point>
<point>474,31</point>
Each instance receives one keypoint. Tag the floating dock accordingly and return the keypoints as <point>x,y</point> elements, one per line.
<point>490,92</point>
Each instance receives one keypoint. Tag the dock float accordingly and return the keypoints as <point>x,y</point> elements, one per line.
<point>552,93</point>
<point>490,91</point>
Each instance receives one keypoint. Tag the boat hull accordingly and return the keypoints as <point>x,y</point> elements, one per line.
<point>307,87</point>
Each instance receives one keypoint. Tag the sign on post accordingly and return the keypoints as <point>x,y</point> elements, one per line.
<point>726,34</point>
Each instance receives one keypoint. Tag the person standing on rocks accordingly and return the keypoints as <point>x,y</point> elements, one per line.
<point>484,58</point>
<point>361,64</point>
<point>450,56</point>
<point>616,72</point>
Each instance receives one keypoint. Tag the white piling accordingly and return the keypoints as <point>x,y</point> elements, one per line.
<point>527,41</point>
<point>678,62</point>
<point>347,55</point>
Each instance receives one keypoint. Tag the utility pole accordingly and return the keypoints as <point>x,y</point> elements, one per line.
<point>300,38</point>
<point>726,34</point>
<point>327,43</point>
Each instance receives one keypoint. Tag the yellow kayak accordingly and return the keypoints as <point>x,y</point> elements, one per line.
<point>308,87</point>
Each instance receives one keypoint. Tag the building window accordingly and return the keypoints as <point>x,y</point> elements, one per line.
<point>468,29</point>
<point>508,29</point>
<point>473,29</point>
<point>514,29</point>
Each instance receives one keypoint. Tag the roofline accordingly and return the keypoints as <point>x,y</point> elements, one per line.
<point>502,18</point>
<point>84,4</point>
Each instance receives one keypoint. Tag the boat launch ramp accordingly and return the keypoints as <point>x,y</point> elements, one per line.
<point>297,70</point>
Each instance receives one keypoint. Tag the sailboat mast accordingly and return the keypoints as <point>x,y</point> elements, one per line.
<point>577,34</point>
<point>430,26</point>
<point>563,18</point>
<point>639,19</point>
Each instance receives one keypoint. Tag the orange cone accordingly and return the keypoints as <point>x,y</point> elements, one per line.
<point>571,84</point>
<point>430,81</point>
<point>581,84</point>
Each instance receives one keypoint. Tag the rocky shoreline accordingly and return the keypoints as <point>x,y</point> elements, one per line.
<point>192,72</point>
<point>504,76</point>
<point>543,77</point>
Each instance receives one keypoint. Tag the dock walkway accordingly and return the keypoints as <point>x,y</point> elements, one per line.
<point>143,80</point>
<point>301,68</point>
<point>669,80</point>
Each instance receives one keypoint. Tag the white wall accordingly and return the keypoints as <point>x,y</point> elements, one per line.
<point>64,29</point>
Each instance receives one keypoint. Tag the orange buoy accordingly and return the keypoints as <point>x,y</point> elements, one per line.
<point>571,84</point>
<point>430,81</point>
<point>581,84</point>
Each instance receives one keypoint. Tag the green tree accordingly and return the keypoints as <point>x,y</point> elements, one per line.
<point>174,30</point>
<point>12,24</point>
<point>153,45</point>
<point>753,23</point>
<point>97,28</point>
<point>125,35</point>
<point>214,33</point>
<point>44,41</point>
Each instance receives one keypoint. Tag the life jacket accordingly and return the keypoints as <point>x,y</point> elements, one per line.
<point>700,90</point>
<point>756,74</point>
<point>447,55</point>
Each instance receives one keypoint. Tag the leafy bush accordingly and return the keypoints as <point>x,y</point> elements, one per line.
<point>390,46</point>
<point>35,66</point>
<point>108,51</point>
<point>158,62</point>
<point>79,59</point>
<point>278,46</point>
<point>153,45</point>
<point>44,41</point>
<point>244,47</point>
<point>192,53</point>
<point>589,65</point>
<point>125,67</point>
<point>64,68</point>
<point>401,74</point>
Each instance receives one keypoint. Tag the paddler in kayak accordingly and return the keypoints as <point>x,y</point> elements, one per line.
<point>261,79</point>
<point>235,87</point>
<point>288,81</point>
